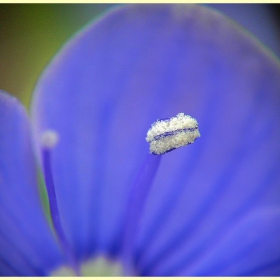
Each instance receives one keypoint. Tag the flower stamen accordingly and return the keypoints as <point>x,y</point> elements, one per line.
<point>165,135</point>
<point>48,141</point>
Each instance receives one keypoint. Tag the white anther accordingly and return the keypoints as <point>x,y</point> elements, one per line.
<point>49,139</point>
<point>169,134</point>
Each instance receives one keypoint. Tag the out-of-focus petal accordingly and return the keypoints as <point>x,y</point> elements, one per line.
<point>27,246</point>
<point>138,64</point>
<point>252,247</point>
<point>258,19</point>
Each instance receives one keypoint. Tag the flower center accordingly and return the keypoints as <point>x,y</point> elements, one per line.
<point>165,135</point>
<point>100,266</point>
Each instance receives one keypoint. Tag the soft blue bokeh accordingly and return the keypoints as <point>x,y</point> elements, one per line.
<point>26,244</point>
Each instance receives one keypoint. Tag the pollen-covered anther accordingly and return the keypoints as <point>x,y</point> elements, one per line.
<point>49,139</point>
<point>168,134</point>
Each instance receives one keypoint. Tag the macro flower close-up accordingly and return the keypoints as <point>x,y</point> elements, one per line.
<point>154,132</point>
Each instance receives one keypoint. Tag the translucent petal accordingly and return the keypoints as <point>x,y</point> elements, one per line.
<point>138,64</point>
<point>27,246</point>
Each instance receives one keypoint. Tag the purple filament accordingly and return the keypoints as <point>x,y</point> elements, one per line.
<point>136,202</point>
<point>55,211</point>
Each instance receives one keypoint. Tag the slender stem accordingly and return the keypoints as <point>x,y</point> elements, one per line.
<point>55,211</point>
<point>136,202</point>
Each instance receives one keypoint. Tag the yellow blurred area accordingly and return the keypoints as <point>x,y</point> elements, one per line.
<point>98,266</point>
<point>31,34</point>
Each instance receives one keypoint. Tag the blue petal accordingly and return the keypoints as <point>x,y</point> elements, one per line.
<point>260,20</point>
<point>136,65</point>
<point>250,248</point>
<point>27,246</point>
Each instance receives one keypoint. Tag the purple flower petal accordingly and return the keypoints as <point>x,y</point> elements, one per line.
<point>260,20</point>
<point>27,246</point>
<point>252,248</point>
<point>146,62</point>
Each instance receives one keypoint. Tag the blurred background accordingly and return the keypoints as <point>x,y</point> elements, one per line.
<point>31,34</point>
